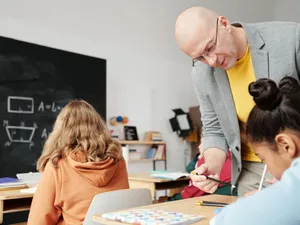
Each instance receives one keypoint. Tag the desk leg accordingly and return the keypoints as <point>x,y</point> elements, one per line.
<point>143,184</point>
<point>1,210</point>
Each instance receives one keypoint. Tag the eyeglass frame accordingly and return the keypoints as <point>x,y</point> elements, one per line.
<point>211,48</point>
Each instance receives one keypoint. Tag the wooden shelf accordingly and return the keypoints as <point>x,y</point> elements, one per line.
<point>17,205</point>
<point>141,160</point>
<point>17,209</point>
<point>159,143</point>
<point>142,142</point>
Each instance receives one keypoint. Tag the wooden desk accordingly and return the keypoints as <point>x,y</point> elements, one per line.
<point>154,184</point>
<point>14,201</point>
<point>187,206</point>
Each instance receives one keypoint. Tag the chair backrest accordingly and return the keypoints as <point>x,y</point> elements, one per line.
<point>117,200</point>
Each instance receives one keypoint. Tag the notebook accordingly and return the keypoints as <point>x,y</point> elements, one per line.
<point>6,182</point>
<point>31,179</point>
<point>152,216</point>
<point>29,190</point>
<point>169,175</point>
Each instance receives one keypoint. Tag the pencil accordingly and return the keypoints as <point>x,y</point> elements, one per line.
<point>209,203</point>
<point>262,178</point>
<point>219,181</point>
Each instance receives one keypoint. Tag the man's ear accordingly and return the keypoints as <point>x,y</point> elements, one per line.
<point>286,145</point>
<point>224,22</point>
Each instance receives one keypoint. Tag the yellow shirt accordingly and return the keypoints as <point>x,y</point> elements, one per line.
<point>240,76</point>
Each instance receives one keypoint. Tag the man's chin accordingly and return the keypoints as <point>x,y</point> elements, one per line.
<point>228,65</point>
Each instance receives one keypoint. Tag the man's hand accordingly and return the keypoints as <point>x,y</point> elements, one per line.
<point>200,181</point>
<point>214,160</point>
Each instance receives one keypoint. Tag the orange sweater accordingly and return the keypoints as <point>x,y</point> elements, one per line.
<point>64,194</point>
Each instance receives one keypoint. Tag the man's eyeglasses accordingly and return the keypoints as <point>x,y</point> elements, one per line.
<point>209,51</point>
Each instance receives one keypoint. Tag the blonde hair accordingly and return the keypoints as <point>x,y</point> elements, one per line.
<point>79,129</point>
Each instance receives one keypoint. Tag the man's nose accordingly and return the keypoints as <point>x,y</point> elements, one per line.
<point>212,60</point>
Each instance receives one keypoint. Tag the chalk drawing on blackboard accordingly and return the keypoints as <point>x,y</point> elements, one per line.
<point>20,134</point>
<point>44,133</point>
<point>19,104</point>
<point>31,145</point>
<point>5,123</point>
<point>41,107</point>
<point>53,107</point>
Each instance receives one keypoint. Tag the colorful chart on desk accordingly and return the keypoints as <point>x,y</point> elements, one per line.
<point>152,217</point>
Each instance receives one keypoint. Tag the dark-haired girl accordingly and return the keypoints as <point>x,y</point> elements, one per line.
<point>273,130</point>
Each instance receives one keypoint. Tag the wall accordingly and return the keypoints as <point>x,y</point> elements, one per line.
<point>147,75</point>
<point>287,10</point>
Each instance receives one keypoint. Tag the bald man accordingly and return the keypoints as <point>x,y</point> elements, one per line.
<point>227,58</point>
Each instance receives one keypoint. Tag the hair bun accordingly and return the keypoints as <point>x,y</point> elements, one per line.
<point>289,85</point>
<point>265,93</point>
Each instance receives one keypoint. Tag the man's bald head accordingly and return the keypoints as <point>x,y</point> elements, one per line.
<point>192,25</point>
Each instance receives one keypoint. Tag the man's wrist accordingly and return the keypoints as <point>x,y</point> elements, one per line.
<point>215,157</point>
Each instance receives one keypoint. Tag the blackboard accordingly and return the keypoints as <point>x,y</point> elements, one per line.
<point>35,83</point>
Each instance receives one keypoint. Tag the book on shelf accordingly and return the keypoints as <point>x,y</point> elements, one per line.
<point>156,153</point>
<point>169,175</point>
<point>160,152</point>
<point>134,155</point>
<point>153,136</point>
<point>151,153</point>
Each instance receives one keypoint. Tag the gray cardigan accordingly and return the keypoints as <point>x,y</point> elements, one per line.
<point>274,48</point>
